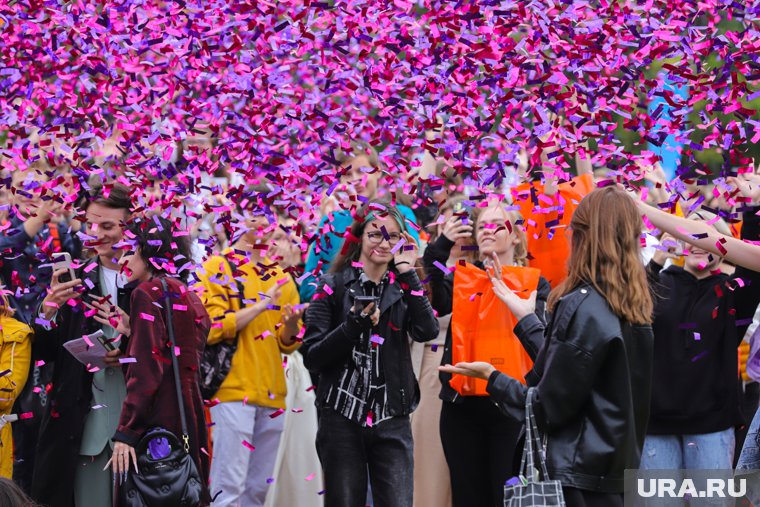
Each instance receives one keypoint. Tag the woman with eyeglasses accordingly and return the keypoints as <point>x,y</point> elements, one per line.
<point>478,440</point>
<point>357,326</point>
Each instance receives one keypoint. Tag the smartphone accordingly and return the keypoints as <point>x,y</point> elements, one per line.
<point>108,345</point>
<point>463,212</point>
<point>63,261</point>
<point>361,302</point>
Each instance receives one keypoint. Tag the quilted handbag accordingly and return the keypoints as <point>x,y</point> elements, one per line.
<point>533,489</point>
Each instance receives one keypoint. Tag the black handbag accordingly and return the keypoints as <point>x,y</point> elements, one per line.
<point>217,358</point>
<point>170,479</point>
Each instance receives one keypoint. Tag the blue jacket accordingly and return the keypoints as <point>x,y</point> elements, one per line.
<point>24,256</point>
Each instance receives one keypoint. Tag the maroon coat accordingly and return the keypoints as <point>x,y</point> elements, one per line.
<point>151,393</point>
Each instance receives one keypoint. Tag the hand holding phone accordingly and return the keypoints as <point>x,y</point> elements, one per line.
<point>62,261</point>
<point>362,302</point>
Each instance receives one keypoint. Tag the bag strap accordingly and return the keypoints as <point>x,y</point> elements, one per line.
<point>175,366</point>
<point>240,287</point>
<point>532,442</point>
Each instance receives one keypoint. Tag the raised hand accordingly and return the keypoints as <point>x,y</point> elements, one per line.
<point>670,250</point>
<point>110,315</point>
<point>454,229</point>
<point>406,256</point>
<point>59,293</point>
<point>748,185</point>
<point>518,306</point>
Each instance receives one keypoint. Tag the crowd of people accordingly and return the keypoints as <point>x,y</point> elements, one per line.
<point>418,321</point>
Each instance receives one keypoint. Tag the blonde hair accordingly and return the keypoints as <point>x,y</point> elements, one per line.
<point>515,220</point>
<point>605,253</point>
<point>6,310</point>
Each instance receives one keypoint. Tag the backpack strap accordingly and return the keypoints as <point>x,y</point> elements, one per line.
<point>240,287</point>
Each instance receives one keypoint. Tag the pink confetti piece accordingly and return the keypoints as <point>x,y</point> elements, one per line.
<point>277,413</point>
<point>146,316</point>
<point>310,477</point>
<point>398,245</point>
<point>248,445</point>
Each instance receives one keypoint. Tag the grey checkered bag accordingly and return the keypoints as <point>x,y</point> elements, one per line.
<point>534,488</point>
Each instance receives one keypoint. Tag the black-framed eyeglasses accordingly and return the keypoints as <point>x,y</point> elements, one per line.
<point>376,237</point>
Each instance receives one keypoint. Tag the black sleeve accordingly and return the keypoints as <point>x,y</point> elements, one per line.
<point>653,273</point>
<point>325,345</point>
<point>422,325</point>
<point>48,341</point>
<point>530,331</point>
<point>441,284</point>
<point>564,387</point>
<point>747,291</point>
<point>544,289</point>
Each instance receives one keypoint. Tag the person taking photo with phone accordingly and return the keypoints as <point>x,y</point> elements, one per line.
<point>36,231</point>
<point>83,411</point>
<point>356,339</point>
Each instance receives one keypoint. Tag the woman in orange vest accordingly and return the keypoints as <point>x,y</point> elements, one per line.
<point>479,441</point>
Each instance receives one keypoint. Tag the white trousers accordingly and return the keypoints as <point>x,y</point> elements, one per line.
<point>238,473</point>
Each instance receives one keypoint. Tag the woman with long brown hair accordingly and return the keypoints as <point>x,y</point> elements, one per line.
<point>593,374</point>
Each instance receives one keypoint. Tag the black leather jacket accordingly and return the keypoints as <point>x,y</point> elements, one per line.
<point>593,378</point>
<point>331,332</point>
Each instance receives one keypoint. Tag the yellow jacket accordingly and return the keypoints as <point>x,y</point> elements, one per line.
<point>15,356</point>
<point>256,375</point>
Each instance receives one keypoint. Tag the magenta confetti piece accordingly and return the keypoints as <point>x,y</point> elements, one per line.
<point>248,446</point>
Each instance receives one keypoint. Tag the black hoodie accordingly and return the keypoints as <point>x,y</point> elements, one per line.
<point>698,325</point>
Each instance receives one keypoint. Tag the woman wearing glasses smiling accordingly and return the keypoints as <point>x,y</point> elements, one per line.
<point>356,339</point>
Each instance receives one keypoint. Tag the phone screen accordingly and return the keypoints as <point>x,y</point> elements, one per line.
<point>63,261</point>
<point>361,302</point>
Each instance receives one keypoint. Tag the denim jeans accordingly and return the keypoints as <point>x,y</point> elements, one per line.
<point>348,450</point>
<point>749,460</point>
<point>709,451</point>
